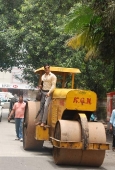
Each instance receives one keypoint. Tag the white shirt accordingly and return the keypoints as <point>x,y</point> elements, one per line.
<point>49,82</point>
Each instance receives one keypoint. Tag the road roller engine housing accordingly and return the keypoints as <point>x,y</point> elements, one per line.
<point>75,140</point>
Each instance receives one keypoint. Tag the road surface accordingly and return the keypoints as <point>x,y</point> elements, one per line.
<point>14,157</point>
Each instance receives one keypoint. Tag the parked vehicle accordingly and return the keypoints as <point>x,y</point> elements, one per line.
<point>5,104</point>
<point>5,98</point>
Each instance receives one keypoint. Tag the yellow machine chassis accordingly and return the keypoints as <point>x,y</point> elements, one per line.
<point>75,140</point>
<point>79,145</point>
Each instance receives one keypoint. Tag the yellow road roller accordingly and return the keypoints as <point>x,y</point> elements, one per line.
<point>75,140</point>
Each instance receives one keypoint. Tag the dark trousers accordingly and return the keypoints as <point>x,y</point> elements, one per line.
<point>113,141</point>
<point>44,104</point>
<point>114,137</point>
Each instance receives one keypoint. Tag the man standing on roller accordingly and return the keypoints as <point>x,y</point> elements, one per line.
<point>47,86</point>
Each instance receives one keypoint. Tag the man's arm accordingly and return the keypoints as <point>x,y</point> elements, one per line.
<point>54,80</point>
<point>11,113</point>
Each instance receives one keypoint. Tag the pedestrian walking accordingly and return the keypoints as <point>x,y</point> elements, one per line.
<point>19,110</point>
<point>112,127</point>
<point>48,84</point>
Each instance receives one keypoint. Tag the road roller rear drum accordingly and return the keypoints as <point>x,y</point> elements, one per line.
<point>29,141</point>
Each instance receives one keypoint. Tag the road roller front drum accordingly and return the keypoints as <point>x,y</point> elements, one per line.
<point>71,131</point>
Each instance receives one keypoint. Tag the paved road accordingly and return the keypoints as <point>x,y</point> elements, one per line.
<point>12,155</point>
<point>10,146</point>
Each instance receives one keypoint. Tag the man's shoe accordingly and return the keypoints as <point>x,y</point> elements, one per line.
<point>16,138</point>
<point>43,124</point>
<point>21,140</point>
<point>113,149</point>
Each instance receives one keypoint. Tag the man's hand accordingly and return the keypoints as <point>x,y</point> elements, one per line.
<point>40,86</point>
<point>47,95</point>
<point>10,114</point>
<point>9,117</point>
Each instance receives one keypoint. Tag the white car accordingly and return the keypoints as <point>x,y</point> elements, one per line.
<point>5,105</point>
<point>5,98</point>
<point>0,113</point>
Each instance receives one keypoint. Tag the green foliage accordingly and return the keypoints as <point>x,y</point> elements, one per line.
<point>95,74</point>
<point>31,34</point>
<point>77,20</point>
<point>99,31</point>
<point>100,23</point>
<point>44,43</point>
<point>9,43</point>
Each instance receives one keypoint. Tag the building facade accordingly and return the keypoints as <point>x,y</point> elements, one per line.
<point>14,83</point>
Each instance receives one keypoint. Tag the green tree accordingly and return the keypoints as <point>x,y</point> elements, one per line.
<point>38,30</point>
<point>34,36</point>
<point>95,75</point>
<point>9,46</point>
<point>94,31</point>
<point>31,26</point>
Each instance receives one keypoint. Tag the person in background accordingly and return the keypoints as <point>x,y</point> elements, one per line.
<point>19,110</point>
<point>12,101</point>
<point>93,117</point>
<point>48,84</point>
<point>112,127</point>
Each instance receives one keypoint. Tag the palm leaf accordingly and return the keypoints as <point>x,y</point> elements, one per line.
<point>78,18</point>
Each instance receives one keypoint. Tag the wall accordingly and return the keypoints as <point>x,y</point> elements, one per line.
<point>5,77</point>
<point>10,83</point>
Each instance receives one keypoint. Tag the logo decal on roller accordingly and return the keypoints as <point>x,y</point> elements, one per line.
<point>82,100</point>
